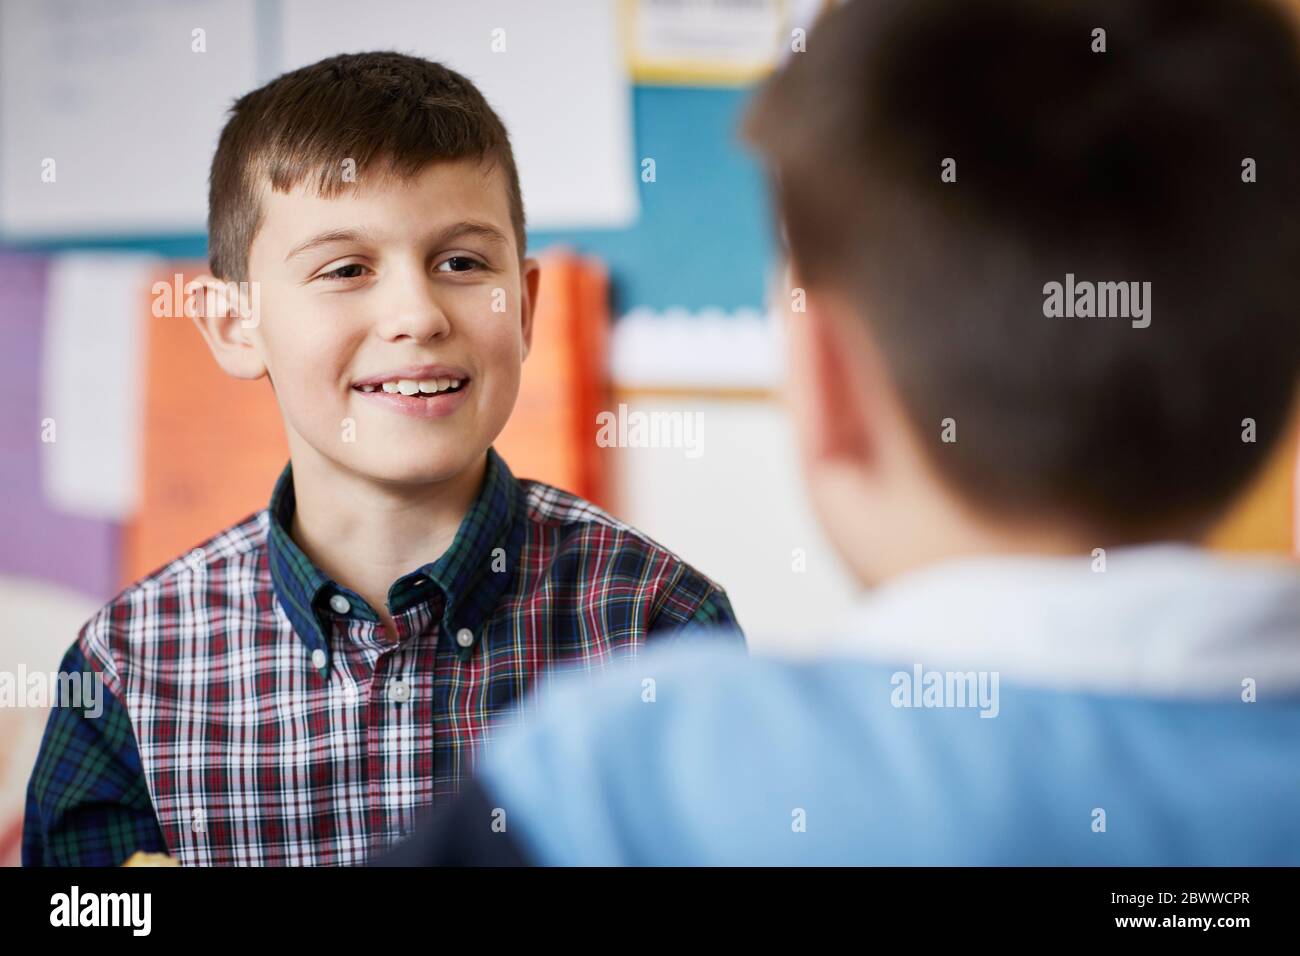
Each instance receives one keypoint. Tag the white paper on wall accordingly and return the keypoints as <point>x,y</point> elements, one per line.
<point>122,103</point>
<point>554,72</point>
<point>707,349</point>
<point>92,384</point>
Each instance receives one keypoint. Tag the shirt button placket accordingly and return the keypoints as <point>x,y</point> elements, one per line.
<point>399,690</point>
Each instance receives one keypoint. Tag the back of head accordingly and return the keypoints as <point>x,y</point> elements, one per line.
<point>1164,150</point>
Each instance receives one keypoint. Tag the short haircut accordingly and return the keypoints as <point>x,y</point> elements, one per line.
<point>1128,165</point>
<point>385,111</point>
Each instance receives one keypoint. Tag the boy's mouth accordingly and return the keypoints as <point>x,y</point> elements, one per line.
<point>425,391</point>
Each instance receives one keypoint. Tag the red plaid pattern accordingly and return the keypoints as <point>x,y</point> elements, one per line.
<point>254,754</point>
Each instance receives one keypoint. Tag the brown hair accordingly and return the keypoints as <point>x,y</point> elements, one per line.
<point>1117,166</point>
<point>373,108</point>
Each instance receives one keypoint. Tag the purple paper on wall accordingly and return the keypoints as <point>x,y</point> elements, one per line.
<point>38,541</point>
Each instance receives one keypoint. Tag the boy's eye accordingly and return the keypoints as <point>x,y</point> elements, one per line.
<point>344,272</point>
<point>459,264</point>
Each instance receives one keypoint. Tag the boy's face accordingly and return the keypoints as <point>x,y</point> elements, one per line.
<point>417,283</point>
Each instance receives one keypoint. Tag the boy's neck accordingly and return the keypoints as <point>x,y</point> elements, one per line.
<point>920,523</point>
<point>365,534</point>
<point>936,542</point>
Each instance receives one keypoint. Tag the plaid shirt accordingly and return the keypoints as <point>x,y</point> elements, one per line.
<point>256,712</point>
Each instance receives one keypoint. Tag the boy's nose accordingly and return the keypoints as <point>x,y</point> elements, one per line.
<point>411,308</point>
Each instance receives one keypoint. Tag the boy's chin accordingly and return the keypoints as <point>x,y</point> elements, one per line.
<point>415,465</point>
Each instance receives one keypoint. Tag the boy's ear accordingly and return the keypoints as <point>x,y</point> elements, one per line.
<point>226,318</point>
<point>532,275</point>
<point>830,398</point>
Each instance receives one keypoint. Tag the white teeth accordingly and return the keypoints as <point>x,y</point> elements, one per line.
<point>407,386</point>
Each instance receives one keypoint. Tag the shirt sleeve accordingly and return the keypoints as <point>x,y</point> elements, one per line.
<point>715,612</point>
<point>710,618</point>
<point>88,802</point>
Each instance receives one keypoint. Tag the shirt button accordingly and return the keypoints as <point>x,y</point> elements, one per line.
<point>464,637</point>
<point>399,691</point>
<point>318,658</point>
<point>340,604</point>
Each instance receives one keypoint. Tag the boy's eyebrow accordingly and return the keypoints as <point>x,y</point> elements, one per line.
<point>474,230</point>
<point>324,238</point>
<point>467,228</point>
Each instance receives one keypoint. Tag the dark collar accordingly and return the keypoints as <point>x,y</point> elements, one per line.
<point>472,574</point>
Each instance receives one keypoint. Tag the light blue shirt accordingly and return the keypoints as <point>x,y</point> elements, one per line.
<point>990,711</point>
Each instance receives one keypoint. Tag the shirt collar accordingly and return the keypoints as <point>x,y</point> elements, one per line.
<point>472,574</point>
<point>1160,619</point>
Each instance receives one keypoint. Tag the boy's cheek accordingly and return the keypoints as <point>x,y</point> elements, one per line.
<point>505,372</point>
<point>500,376</point>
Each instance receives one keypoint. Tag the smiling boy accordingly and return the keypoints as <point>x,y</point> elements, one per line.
<point>329,667</point>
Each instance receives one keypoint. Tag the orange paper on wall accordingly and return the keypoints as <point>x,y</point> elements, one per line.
<point>551,436</point>
<point>213,445</point>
